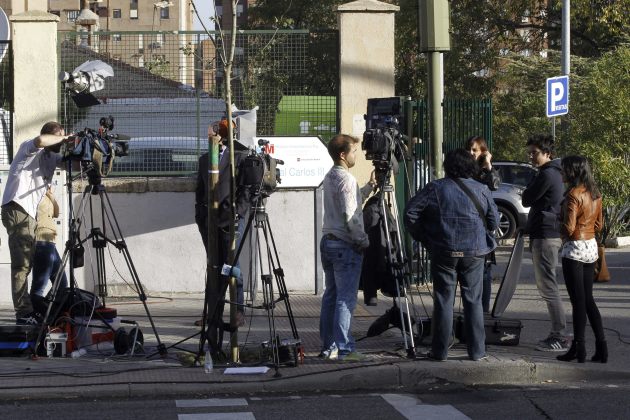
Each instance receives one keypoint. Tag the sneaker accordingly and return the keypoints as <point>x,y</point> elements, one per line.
<point>30,319</point>
<point>353,356</point>
<point>329,354</point>
<point>552,343</point>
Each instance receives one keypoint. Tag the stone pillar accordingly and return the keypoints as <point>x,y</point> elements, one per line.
<point>366,65</point>
<point>35,84</point>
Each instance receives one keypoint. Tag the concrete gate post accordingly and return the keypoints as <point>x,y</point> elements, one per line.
<point>35,85</point>
<point>366,65</point>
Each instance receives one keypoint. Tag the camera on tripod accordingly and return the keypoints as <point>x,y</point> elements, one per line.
<point>383,136</point>
<point>259,172</point>
<point>96,149</point>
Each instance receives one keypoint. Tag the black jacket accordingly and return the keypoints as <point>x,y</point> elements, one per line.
<point>544,195</point>
<point>489,177</point>
<point>222,189</point>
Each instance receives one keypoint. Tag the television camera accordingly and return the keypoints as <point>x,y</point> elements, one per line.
<point>96,149</point>
<point>383,138</point>
<point>259,172</point>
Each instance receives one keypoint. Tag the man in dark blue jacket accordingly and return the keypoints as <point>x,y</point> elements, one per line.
<point>444,218</point>
<point>543,195</point>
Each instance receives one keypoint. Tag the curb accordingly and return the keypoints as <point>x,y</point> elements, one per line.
<point>397,375</point>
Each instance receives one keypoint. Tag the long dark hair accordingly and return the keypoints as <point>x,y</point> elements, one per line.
<point>577,171</point>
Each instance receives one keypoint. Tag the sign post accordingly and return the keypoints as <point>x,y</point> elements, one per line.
<point>557,99</point>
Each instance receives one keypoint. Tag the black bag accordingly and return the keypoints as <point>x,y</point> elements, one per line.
<point>17,339</point>
<point>499,331</point>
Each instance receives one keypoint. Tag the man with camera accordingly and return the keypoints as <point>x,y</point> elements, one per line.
<point>29,178</point>
<point>224,216</point>
<point>342,245</point>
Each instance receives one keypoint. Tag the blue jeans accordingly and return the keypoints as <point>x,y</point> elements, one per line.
<point>46,263</point>
<point>342,270</point>
<point>445,272</point>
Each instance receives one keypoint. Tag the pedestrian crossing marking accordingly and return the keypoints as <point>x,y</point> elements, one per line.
<point>412,408</point>
<point>217,416</point>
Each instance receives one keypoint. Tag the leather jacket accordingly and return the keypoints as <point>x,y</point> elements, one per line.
<point>581,215</point>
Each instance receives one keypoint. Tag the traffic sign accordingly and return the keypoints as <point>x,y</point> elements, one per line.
<point>557,96</point>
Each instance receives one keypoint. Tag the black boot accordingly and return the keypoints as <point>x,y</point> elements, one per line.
<point>576,351</point>
<point>601,352</point>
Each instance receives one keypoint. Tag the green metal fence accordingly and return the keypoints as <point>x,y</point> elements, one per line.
<point>168,87</point>
<point>6,102</point>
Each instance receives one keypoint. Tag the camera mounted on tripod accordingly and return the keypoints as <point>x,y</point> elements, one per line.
<point>259,172</point>
<point>96,149</point>
<point>383,138</point>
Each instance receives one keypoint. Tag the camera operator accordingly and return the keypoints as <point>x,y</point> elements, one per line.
<point>29,178</point>
<point>224,217</point>
<point>342,245</point>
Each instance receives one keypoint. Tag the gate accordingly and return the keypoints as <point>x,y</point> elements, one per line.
<point>6,103</point>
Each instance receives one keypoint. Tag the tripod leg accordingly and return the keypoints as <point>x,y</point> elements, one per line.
<point>122,247</point>
<point>279,274</point>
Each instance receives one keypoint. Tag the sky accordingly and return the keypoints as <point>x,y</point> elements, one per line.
<point>205,9</point>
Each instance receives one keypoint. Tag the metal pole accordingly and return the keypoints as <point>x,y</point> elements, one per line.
<point>435,111</point>
<point>566,37</point>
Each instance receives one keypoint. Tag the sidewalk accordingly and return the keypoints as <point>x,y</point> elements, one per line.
<point>101,374</point>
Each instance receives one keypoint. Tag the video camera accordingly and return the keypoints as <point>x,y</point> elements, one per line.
<point>96,149</point>
<point>259,172</point>
<point>383,122</point>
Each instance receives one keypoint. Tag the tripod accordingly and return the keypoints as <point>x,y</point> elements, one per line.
<point>73,253</point>
<point>259,219</point>
<point>396,260</point>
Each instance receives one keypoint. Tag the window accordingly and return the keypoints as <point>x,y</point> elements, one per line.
<point>164,12</point>
<point>116,37</point>
<point>239,10</point>
<point>117,14</point>
<point>133,9</point>
<point>72,15</point>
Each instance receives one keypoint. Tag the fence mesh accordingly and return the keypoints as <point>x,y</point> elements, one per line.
<point>6,103</point>
<point>168,87</point>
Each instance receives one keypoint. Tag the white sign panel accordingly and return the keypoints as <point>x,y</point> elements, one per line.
<point>306,160</point>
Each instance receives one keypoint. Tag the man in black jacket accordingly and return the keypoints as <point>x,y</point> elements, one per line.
<point>224,216</point>
<point>544,195</point>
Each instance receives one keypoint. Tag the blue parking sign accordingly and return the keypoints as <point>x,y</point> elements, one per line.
<point>557,96</point>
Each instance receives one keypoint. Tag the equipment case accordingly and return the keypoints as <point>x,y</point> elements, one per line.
<point>17,339</point>
<point>499,331</point>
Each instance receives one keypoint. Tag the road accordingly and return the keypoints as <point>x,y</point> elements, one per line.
<point>444,401</point>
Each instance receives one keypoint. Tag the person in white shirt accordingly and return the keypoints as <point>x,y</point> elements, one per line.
<point>342,245</point>
<point>29,177</point>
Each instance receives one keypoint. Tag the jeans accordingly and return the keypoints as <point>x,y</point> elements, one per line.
<point>578,277</point>
<point>342,270</point>
<point>545,259</point>
<point>487,286</point>
<point>46,263</point>
<point>445,272</point>
<point>21,231</point>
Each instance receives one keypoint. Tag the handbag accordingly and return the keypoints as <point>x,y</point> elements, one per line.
<point>490,240</point>
<point>601,269</point>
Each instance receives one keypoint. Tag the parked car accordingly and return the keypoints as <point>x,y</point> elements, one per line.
<point>514,178</point>
<point>161,156</point>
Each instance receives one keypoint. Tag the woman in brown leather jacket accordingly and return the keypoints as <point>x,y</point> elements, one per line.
<point>581,217</point>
